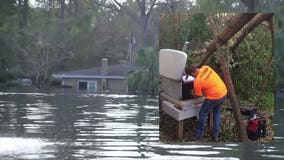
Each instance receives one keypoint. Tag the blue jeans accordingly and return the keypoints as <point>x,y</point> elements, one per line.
<point>207,106</point>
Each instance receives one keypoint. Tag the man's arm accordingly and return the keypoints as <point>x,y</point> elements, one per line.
<point>195,95</point>
<point>196,92</point>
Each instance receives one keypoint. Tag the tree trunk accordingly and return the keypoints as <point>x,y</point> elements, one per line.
<point>69,8</point>
<point>23,13</point>
<point>234,25</point>
<point>46,67</point>
<point>76,6</point>
<point>49,8</point>
<point>242,135</point>
<point>61,16</point>
<point>141,17</point>
<point>62,8</point>
<point>144,16</point>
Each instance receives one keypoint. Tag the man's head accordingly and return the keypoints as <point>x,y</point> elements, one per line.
<point>191,70</point>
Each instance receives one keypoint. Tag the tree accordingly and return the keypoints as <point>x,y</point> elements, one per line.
<point>211,6</point>
<point>139,12</point>
<point>146,80</point>
<point>43,46</point>
<point>23,13</point>
<point>8,26</point>
<point>173,6</point>
<point>242,136</point>
<point>177,28</point>
<point>221,39</point>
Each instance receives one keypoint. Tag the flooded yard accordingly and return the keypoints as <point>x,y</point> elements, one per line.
<point>58,124</point>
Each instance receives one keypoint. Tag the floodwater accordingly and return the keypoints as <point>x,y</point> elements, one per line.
<point>57,124</point>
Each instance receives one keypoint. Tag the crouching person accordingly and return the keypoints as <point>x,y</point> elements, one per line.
<point>207,83</point>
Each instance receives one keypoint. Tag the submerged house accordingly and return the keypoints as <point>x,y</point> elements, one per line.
<point>105,77</point>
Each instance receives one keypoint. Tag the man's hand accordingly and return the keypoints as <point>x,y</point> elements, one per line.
<point>178,107</point>
<point>194,95</point>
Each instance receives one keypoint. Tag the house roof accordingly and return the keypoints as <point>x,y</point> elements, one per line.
<point>118,71</point>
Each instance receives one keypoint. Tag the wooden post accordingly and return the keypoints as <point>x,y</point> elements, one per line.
<point>180,129</point>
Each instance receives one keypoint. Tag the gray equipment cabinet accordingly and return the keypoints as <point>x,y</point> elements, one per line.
<point>171,66</point>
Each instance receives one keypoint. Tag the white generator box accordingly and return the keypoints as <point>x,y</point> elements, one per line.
<point>172,63</point>
<point>188,111</point>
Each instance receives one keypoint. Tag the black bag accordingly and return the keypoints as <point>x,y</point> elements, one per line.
<point>256,128</point>
<point>248,111</point>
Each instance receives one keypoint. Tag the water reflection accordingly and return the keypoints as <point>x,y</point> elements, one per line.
<point>24,148</point>
<point>103,126</point>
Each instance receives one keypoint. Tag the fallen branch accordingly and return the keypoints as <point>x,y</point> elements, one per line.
<point>259,18</point>
<point>234,25</point>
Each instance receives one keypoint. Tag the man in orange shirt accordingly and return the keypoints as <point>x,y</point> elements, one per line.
<point>207,83</point>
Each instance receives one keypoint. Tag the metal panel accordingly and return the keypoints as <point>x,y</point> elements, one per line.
<point>171,87</point>
<point>172,63</point>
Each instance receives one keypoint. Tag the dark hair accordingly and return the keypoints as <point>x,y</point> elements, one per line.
<point>190,69</point>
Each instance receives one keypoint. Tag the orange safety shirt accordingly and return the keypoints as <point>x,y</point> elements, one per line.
<point>209,84</point>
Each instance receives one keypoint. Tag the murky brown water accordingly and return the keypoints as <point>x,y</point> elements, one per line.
<point>57,124</point>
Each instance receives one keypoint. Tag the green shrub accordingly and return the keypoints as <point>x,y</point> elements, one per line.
<point>267,101</point>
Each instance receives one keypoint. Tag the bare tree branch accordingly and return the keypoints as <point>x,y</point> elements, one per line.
<point>103,4</point>
<point>153,3</point>
<point>117,3</point>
